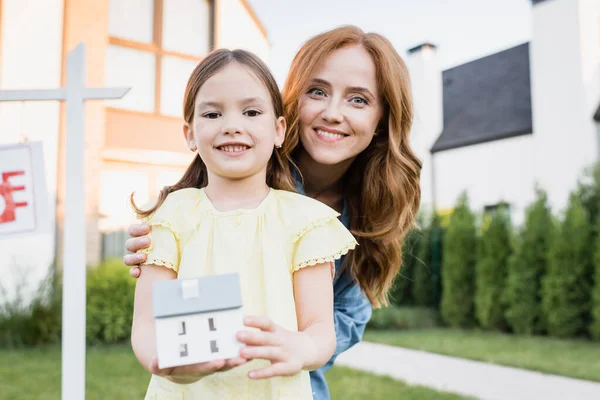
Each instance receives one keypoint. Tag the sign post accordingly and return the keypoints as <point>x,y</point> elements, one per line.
<point>74,268</point>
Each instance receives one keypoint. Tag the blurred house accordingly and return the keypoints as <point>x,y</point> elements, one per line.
<point>133,144</point>
<point>496,126</point>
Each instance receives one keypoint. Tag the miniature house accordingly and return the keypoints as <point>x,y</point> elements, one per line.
<point>197,319</point>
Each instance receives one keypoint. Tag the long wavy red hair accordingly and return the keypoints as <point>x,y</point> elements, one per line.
<point>383,184</point>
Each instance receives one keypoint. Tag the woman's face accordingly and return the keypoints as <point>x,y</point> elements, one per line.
<point>340,110</point>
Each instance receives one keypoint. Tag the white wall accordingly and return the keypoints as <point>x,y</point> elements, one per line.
<point>30,58</point>
<point>565,54</point>
<point>426,81</point>
<point>490,172</point>
<point>236,29</point>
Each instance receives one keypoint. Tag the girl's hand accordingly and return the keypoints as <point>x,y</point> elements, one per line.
<point>286,350</point>
<point>137,241</point>
<point>192,373</point>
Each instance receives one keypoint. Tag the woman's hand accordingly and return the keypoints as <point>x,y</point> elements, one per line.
<point>288,351</point>
<point>187,374</point>
<point>137,241</point>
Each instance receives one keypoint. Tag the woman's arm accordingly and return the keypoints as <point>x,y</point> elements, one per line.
<point>313,344</point>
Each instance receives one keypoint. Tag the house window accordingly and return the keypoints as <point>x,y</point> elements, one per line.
<point>213,346</point>
<point>489,211</point>
<point>155,52</point>
<point>211,325</point>
<point>183,350</point>
<point>182,328</point>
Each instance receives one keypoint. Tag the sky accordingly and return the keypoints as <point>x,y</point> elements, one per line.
<point>463,30</point>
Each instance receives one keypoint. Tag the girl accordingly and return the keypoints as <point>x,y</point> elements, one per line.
<point>227,214</point>
<point>348,102</point>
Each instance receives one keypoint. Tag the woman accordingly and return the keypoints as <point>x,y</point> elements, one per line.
<point>349,111</point>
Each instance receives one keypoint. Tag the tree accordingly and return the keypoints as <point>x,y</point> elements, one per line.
<point>595,326</point>
<point>401,293</point>
<point>566,288</point>
<point>490,273</point>
<point>424,285</point>
<point>526,267</point>
<point>458,267</point>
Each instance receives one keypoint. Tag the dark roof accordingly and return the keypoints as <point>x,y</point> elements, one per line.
<point>534,2</point>
<point>486,99</point>
<point>422,46</point>
<point>597,114</point>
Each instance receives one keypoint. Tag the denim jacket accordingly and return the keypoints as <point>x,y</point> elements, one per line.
<point>352,310</point>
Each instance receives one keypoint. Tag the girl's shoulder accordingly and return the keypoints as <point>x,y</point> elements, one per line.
<point>300,213</point>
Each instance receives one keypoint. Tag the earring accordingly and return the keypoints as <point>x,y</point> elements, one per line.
<point>277,146</point>
<point>193,148</point>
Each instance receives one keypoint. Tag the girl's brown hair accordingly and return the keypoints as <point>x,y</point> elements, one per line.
<point>278,169</point>
<point>382,186</point>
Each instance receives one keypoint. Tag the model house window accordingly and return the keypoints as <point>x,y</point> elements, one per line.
<point>489,211</point>
<point>211,325</point>
<point>213,346</point>
<point>183,350</point>
<point>182,328</point>
<point>153,47</point>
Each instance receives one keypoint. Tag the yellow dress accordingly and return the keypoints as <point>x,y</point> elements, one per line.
<point>265,245</point>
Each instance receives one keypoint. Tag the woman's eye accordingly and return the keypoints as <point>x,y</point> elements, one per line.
<point>211,115</point>
<point>316,92</point>
<point>252,113</point>
<point>358,100</point>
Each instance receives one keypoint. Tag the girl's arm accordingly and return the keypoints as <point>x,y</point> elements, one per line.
<point>314,343</point>
<point>143,338</point>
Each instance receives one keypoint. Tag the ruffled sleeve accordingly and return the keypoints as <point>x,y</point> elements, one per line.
<point>321,238</point>
<point>166,228</point>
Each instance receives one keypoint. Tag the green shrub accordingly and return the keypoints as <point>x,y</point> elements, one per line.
<point>490,274</point>
<point>527,265</point>
<point>110,295</point>
<point>424,285</point>
<point>32,322</point>
<point>392,317</point>
<point>458,267</point>
<point>566,288</point>
<point>401,293</point>
<point>589,192</point>
<point>595,326</point>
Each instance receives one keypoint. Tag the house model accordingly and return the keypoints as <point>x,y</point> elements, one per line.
<point>197,319</point>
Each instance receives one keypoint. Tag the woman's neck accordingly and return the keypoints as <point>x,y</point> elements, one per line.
<point>323,182</point>
<point>234,194</point>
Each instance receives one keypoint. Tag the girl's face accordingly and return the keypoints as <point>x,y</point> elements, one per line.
<point>235,127</point>
<point>342,107</point>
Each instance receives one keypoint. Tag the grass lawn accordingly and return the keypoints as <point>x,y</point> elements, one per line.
<point>573,358</point>
<point>114,373</point>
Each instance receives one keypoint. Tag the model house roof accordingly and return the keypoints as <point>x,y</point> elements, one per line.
<point>191,296</point>
<point>597,114</point>
<point>486,99</point>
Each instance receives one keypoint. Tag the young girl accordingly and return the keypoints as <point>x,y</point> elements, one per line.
<point>229,214</point>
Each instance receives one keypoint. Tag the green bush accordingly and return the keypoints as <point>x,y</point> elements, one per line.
<point>401,293</point>
<point>458,267</point>
<point>425,269</point>
<point>595,326</point>
<point>490,273</point>
<point>566,287</point>
<point>110,295</point>
<point>589,192</point>
<point>32,322</point>
<point>393,317</point>
<point>526,267</point>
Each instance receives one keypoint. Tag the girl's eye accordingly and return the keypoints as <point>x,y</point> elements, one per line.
<point>316,92</point>
<point>252,113</point>
<point>358,101</point>
<point>211,115</point>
